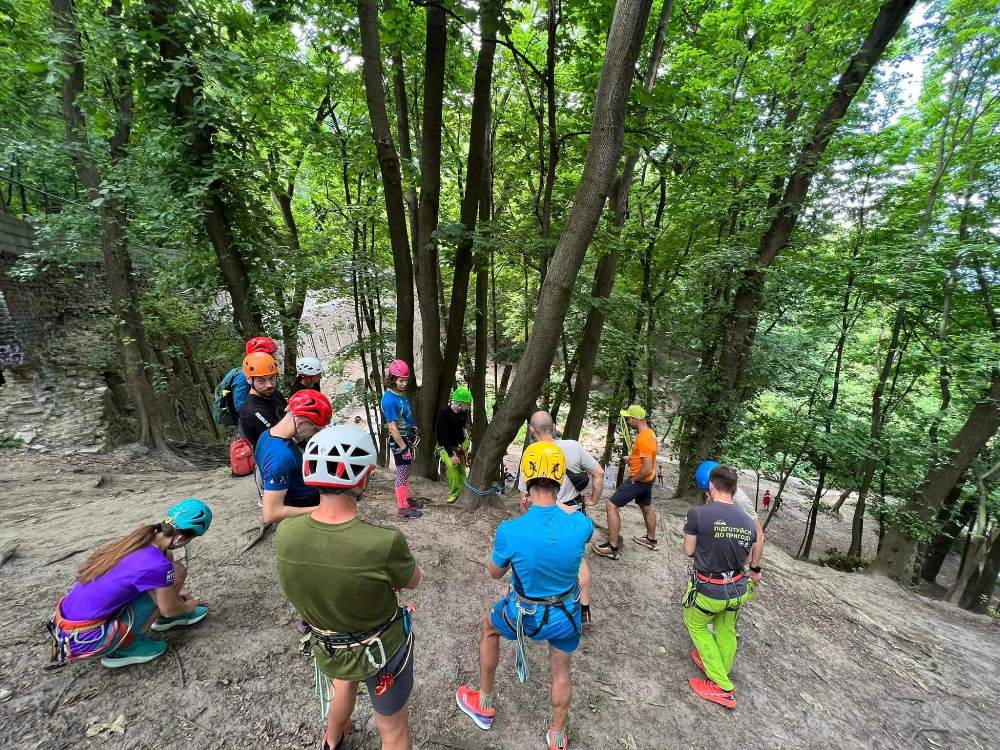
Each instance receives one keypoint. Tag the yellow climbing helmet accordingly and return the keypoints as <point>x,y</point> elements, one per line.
<point>543,460</point>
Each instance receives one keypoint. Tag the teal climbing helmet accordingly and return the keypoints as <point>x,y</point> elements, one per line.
<point>191,515</point>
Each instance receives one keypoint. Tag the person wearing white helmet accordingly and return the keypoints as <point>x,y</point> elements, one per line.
<point>342,574</point>
<point>309,371</point>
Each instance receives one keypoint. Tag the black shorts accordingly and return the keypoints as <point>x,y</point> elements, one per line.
<point>629,490</point>
<point>401,666</point>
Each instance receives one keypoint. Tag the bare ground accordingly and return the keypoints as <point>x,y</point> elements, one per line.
<point>828,660</point>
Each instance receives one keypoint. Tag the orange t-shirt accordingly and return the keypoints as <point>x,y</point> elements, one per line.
<point>644,446</point>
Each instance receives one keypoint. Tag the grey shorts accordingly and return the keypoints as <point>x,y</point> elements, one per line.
<point>401,667</point>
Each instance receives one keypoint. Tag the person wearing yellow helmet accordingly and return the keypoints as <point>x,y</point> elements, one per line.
<point>543,550</point>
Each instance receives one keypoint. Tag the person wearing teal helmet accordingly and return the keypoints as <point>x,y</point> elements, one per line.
<point>127,588</point>
<point>453,445</point>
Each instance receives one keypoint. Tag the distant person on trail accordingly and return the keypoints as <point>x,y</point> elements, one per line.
<point>453,446</point>
<point>241,387</point>
<point>128,587</point>
<point>581,469</point>
<point>659,474</point>
<point>638,486</point>
<point>719,536</point>
<point>265,405</point>
<point>342,574</point>
<point>543,549</point>
<point>741,501</point>
<point>402,435</point>
<point>309,372</point>
<point>279,458</point>
<point>766,500</point>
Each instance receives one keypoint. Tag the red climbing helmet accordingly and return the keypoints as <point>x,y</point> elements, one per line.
<point>398,369</point>
<point>311,405</point>
<point>261,344</point>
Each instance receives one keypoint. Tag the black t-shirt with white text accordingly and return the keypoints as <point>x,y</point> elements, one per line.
<point>725,536</point>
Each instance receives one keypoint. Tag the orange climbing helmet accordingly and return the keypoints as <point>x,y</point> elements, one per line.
<point>259,365</point>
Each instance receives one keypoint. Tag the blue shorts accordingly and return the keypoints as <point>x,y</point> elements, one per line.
<point>629,490</point>
<point>561,632</point>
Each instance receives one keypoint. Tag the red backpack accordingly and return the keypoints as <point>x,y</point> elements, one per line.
<point>241,462</point>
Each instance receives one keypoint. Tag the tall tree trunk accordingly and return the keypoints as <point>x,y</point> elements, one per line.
<point>478,384</point>
<point>951,523</point>
<point>405,151</point>
<point>603,152</point>
<point>475,180</point>
<point>978,592</point>
<point>727,388</point>
<point>428,287</point>
<point>129,330</point>
<point>168,20</point>
<point>604,274</point>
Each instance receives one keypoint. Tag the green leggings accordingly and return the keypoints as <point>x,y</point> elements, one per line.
<point>456,475</point>
<point>718,651</point>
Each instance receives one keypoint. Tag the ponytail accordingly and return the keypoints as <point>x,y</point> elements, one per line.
<point>108,556</point>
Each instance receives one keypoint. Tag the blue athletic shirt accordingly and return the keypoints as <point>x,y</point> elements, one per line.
<point>396,408</point>
<point>280,464</point>
<point>544,548</point>
<point>241,389</point>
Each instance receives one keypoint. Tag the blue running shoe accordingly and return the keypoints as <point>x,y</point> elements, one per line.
<point>140,651</point>
<point>165,623</point>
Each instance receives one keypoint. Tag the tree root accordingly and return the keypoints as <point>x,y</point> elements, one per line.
<point>261,533</point>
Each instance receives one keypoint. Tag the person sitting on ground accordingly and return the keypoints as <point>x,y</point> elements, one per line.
<point>265,405</point>
<point>766,500</point>
<point>542,549</point>
<point>279,458</point>
<point>719,536</point>
<point>581,469</point>
<point>241,386</point>
<point>398,418</point>
<point>449,429</point>
<point>741,501</point>
<point>638,486</point>
<point>309,371</point>
<point>342,575</point>
<point>128,587</point>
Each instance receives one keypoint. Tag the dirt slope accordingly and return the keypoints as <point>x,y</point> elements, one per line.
<point>828,660</point>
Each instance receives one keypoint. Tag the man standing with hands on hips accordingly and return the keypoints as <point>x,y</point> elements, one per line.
<point>638,487</point>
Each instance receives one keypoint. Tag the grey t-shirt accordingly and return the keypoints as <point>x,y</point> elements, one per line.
<point>577,460</point>
<point>744,503</point>
<point>725,536</point>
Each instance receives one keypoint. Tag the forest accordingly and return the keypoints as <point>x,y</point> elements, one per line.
<point>774,224</point>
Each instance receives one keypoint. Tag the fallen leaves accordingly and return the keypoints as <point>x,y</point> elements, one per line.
<point>96,728</point>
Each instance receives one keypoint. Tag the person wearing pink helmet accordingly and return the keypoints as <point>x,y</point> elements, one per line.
<point>398,417</point>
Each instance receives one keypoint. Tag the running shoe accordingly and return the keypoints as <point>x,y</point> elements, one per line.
<point>165,623</point>
<point>340,744</point>
<point>409,512</point>
<point>696,658</point>
<point>453,499</point>
<point>712,692</point>
<point>140,651</point>
<point>645,541</point>
<point>605,550</point>
<point>468,700</point>
<point>551,738</point>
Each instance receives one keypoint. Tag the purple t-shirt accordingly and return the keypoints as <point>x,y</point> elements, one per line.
<point>137,572</point>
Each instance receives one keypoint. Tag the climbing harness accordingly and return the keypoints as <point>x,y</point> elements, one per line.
<point>727,580</point>
<point>91,637</point>
<point>528,606</point>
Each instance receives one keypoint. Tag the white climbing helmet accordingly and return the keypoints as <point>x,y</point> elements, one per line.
<point>308,366</point>
<point>338,456</point>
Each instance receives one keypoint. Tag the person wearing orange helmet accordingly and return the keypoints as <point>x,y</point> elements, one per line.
<point>279,457</point>
<point>265,404</point>
<point>241,388</point>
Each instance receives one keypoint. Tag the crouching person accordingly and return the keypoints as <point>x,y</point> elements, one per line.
<point>127,588</point>
<point>342,574</point>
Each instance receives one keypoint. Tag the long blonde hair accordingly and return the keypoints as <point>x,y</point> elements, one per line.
<point>111,554</point>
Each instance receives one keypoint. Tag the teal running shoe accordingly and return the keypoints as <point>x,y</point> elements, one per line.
<point>140,651</point>
<point>165,623</point>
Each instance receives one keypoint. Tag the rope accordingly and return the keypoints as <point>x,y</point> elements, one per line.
<point>324,690</point>
<point>522,658</point>
<point>495,489</point>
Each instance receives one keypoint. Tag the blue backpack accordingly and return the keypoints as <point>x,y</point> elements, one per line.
<point>223,408</point>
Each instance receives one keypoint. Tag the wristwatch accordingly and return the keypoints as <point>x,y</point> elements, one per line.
<point>755,568</point>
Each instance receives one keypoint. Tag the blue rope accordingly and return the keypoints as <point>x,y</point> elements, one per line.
<point>495,489</point>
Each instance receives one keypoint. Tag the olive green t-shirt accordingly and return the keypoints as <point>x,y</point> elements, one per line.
<point>342,577</point>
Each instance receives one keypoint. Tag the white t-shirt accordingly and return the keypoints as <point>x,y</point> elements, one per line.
<point>744,503</point>
<point>578,460</point>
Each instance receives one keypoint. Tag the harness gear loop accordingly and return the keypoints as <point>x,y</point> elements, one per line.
<point>99,634</point>
<point>526,605</point>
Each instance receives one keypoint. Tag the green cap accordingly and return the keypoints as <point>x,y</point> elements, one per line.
<point>462,395</point>
<point>635,411</point>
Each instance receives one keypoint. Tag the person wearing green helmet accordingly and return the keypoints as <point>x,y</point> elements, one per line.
<point>449,428</point>
<point>127,588</point>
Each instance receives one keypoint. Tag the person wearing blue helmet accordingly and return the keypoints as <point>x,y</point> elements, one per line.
<point>741,501</point>
<point>127,588</point>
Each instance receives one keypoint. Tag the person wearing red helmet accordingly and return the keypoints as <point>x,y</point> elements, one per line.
<point>279,457</point>
<point>241,387</point>
<point>398,418</point>
<point>265,404</point>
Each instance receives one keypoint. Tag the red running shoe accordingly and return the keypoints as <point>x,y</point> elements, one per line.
<point>696,657</point>
<point>712,692</point>
<point>468,700</point>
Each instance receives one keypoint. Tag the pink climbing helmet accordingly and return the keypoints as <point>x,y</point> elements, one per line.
<point>398,369</point>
